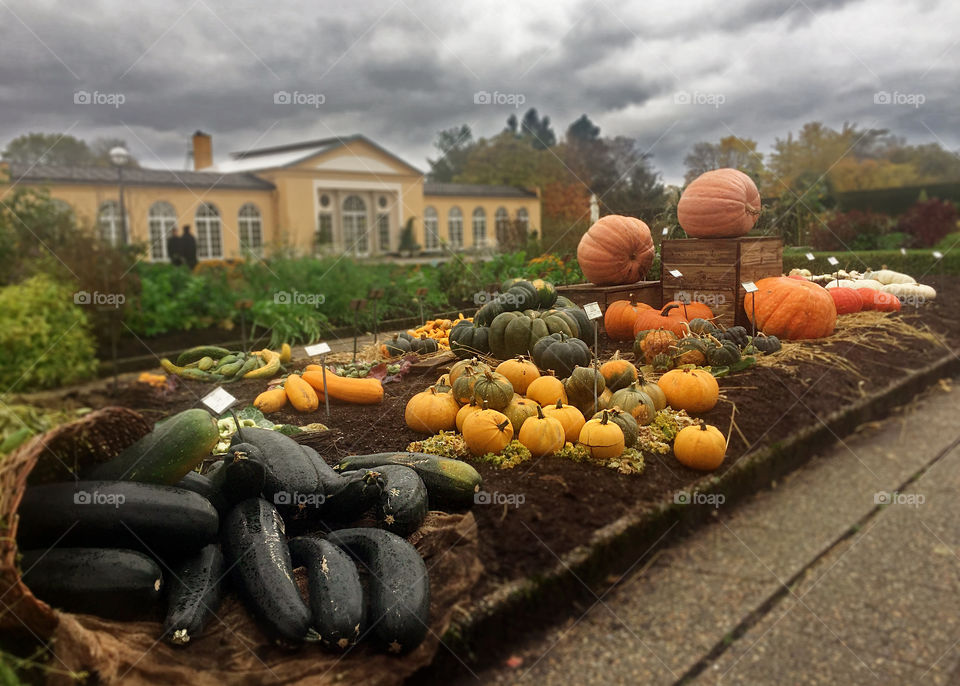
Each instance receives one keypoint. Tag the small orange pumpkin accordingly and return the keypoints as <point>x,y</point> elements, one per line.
<point>542,435</point>
<point>619,318</point>
<point>661,319</point>
<point>487,431</point>
<point>569,417</point>
<point>547,390</point>
<point>602,438</point>
<point>466,411</point>
<point>618,373</point>
<point>693,390</point>
<point>429,412</point>
<point>520,372</point>
<point>791,309</point>
<point>700,447</point>
<point>688,311</point>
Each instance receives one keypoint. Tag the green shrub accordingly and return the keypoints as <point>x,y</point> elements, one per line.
<point>45,337</point>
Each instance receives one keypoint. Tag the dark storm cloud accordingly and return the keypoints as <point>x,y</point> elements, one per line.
<point>400,70</point>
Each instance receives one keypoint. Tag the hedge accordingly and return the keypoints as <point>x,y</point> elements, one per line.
<point>916,263</point>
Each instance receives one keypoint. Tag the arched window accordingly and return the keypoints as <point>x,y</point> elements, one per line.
<point>523,218</point>
<point>251,229</point>
<point>355,238</point>
<point>431,233</point>
<point>479,228</point>
<point>161,220</point>
<point>108,219</point>
<point>501,221</point>
<point>209,232</point>
<point>455,228</point>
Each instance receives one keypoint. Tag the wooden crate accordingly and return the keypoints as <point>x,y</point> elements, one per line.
<point>642,291</point>
<point>714,268</point>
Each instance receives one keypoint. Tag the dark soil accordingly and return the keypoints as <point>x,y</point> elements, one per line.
<point>565,502</point>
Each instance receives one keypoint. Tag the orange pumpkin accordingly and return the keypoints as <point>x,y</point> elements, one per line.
<point>569,417</point>
<point>885,302</point>
<point>619,317</point>
<point>700,447</point>
<point>547,390</point>
<point>520,372</point>
<point>723,203</point>
<point>846,300</point>
<point>487,431</point>
<point>792,309</point>
<point>690,311</point>
<point>615,250</point>
<point>618,373</point>
<point>693,390</point>
<point>660,319</point>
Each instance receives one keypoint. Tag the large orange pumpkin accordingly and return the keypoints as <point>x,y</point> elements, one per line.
<point>723,203</point>
<point>690,311</point>
<point>661,319</point>
<point>615,250</point>
<point>846,300</point>
<point>619,317</point>
<point>792,309</point>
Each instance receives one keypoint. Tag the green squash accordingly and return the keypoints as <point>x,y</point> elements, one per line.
<point>486,314</point>
<point>579,385</point>
<point>656,393</point>
<point>515,333</point>
<point>702,326</point>
<point>546,293</point>
<point>492,390</point>
<point>564,302</point>
<point>584,325</point>
<point>690,350</point>
<point>723,356</point>
<point>631,399</point>
<point>767,344</point>
<point>626,422</point>
<point>469,340</point>
<point>562,353</point>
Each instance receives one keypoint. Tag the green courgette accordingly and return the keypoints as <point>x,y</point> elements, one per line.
<point>241,475</point>
<point>256,551</point>
<point>329,477</point>
<point>290,474</point>
<point>402,506</point>
<point>450,483</point>
<point>202,485</point>
<point>196,590</point>
<point>336,596</point>
<point>359,491</point>
<point>199,352</point>
<point>117,584</point>
<point>120,514</point>
<point>398,590</point>
<point>164,456</point>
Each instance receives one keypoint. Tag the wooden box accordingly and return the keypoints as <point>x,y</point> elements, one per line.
<point>714,268</point>
<point>642,291</point>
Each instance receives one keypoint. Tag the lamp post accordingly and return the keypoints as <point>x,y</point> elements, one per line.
<point>120,156</point>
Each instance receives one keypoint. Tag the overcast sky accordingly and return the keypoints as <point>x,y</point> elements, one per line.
<point>398,71</point>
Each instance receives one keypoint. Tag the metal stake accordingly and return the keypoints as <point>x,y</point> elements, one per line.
<point>323,365</point>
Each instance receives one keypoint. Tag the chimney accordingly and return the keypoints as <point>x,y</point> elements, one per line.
<point>202,150</point>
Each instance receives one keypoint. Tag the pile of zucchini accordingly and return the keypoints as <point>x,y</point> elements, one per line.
<point>144,533</point>
<point>212,363</point>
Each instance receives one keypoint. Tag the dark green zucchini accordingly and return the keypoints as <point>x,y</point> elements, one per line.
<point>329,478</point>
<point>336,596</point>
<point>450,483</point>
<point>402,506</point>
<point>112,583</point>
<point>359,491</point>
<point>119,514</point>
<point>255,549</point>
<point>202,485</point>
<point>196,589</point>
<point>240,476</point>
<point>289,472</point>
<point>176,445</point>
<point>398,589</point>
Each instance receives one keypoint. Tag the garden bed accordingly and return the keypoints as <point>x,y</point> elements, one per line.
<point>565,502</point>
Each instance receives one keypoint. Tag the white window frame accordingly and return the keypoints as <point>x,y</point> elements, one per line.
<point>323,248</point>
<point>431,228</point>
<point>455,228</point>
<point>108,222</point>
<point>250,229</point>
<point>161,221</point>
<point>208,225</point>
<point>479,227</point>
<point>356,232</point>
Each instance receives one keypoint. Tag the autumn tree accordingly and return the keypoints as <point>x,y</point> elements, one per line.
<point>731,151</point>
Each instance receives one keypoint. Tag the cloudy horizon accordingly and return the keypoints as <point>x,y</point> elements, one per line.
<point>669,75</point>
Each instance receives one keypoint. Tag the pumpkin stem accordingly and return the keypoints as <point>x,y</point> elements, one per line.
<point>540,412</point>
<point>559,404</point>
<point>485,403</point>
<point>666,310</point>
<point>703,427</point>
<point>503,425</point>
<point>606,416</point>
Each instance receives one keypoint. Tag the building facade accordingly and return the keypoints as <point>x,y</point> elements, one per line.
<point>330,196</point>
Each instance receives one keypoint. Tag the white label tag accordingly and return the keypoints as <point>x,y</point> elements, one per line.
<point>750,287</point>
<point>937,254</point>
<point>317,349</point>
<point>833,261</point>
<point>593,310</point>
<point>903,251</point>
<point>810,256</point>
<point>666,231</point>
<point>218,400</point>
<point>675,273</point>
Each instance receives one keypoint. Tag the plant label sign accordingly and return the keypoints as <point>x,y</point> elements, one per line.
<point>218,400</point>
<point>665,231</point>
<point>750,287</point>
<point>676,273</point>
<point>833,261</point>
<point>937,255</point>
<point>317,349</point>
<point>903,251</point>
<point>810,256</point>
<point>593,311</point>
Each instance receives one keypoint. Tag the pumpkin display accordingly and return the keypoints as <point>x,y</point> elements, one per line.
<point>462,389</point>
<point>654,391</point>
<point>542,435</point>
<point>846,300</point>
<point>492,390</point>
<point>693,390</point>
<point>626,422</point>
<point>651,343</point>
<point>514,333</point>
<point>631,399</point>
<point>547,390</point>
<point>487,431</point>
<point>690,351</point>
<point>700,447</point>
<point>430,412</point>
<point>792,309</point>
<point>519,410</point>
<point>404,343</point>
<point>661,319</point>
<point>569,417</point>
<point>468,340</point>
<point>469,367</point>
<point>560,353</point>
<point>615,250</point>
<point>581,383</point>
<point>619,318</point>
<point>723,355</point>
<point>722,203</point>
<point>618,373</point>
<point>602,438</point>
<point>466,411</point>
<point>693,310</point>
<point>767,344</point>
<point>701,327</point>
<point>519,371</point>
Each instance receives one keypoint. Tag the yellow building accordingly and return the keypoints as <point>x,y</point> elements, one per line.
<point>320,197</point>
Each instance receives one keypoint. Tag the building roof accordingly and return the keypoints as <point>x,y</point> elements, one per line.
<point>134,176</point>
<point>474,189</point>
<point>286,155</point>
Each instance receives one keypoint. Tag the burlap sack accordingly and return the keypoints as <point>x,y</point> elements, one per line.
<point>232,650</point>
